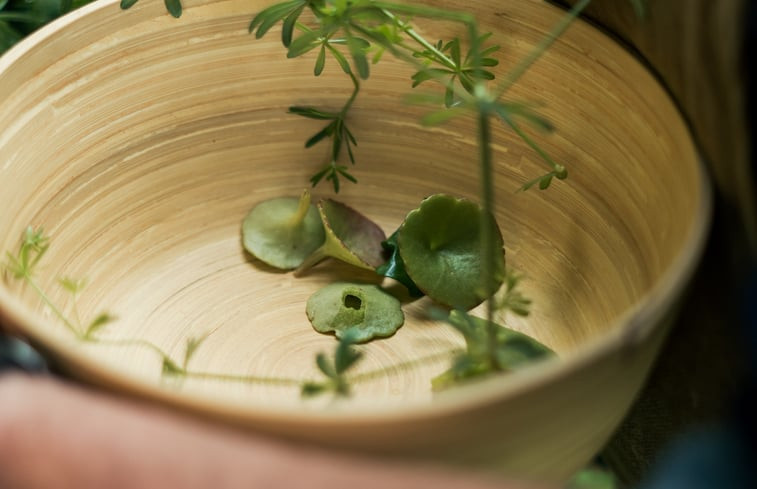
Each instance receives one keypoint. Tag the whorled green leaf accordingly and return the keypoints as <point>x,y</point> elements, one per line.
<point>350,237</point>
<point>173,7</point>
<point>365,310</point>
<point>287,28</point>
<point>320,62</point>
<point>312,113</point>
<point>345,357</point>
<point>169,368</point>
<point>72,285</point>
<point>283,232</point>
<point>127,4</point>
<point>440,243</point>
<point>340,58</point>
<point>306,42</point>
<point>394,267</point>
<point>512,350</point>
<point>97,324</point>
<point>286,12</point>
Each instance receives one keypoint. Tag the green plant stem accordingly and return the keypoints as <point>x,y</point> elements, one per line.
<point>246,379</point>
<point>522,67</point>
<point>487,204</point>
<point>378,373</point>
<point>57,312</point>
<point>532,144</point>
<point>428,12</point>
<point>133,342</point>
<point>356,88</point>
<point>442,58</point>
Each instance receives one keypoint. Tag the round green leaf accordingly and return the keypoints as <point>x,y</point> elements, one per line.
<point>363,311</point>
<point>282,232</point>
<point>440,243</point>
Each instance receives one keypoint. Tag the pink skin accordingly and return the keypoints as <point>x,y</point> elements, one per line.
<point>61,436</point>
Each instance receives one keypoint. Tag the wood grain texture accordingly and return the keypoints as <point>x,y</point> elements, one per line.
<point>139,142</point>
<point>696,46</point>
<point>698,49</point>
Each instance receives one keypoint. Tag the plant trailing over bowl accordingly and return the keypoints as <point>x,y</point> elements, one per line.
<point>356,34</point>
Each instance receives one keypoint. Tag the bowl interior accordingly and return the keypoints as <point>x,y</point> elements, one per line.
<point>139,142</point>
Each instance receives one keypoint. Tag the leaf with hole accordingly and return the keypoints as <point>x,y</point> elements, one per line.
<point>364,311</point>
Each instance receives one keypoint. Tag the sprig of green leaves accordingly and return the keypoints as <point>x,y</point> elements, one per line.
<point>454,67</point>
<point>511,298</point>
<point>174,7</point>
<point>341,137</point>
<point>345,357</point>
<point>33,247</point>
<point>22,266</point>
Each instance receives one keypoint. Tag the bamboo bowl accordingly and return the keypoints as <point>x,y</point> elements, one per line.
<point>139,142</point>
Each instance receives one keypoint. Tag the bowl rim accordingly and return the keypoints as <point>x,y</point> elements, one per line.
<point>628,330</point>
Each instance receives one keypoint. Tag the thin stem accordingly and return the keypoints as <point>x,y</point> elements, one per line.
<point>75,308</point>
<point>312,260</point>
<point>302,209</point>
<point>133,342</point>
<point>428,12</point>
<point>353,96</point>
<point>487,204</point>
<point>381,372</point>
<point>522,67</point>
<point>57,312</point>
<point>532,144</point>
<point>246,379</point>
<point>441,57</point>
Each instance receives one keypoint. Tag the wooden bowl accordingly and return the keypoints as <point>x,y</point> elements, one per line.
<point>139,142</point>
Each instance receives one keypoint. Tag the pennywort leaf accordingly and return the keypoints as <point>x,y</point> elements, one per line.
<point>440,243</point>
<point>361,311</point>
<point>394,267</point>
<point>490,348</point>
<point>283,232</point>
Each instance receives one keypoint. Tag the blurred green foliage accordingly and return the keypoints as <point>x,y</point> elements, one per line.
<point>19,18</point>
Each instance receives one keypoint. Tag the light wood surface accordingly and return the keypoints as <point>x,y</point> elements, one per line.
<point>140,141</point>
<point>697,48</point>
